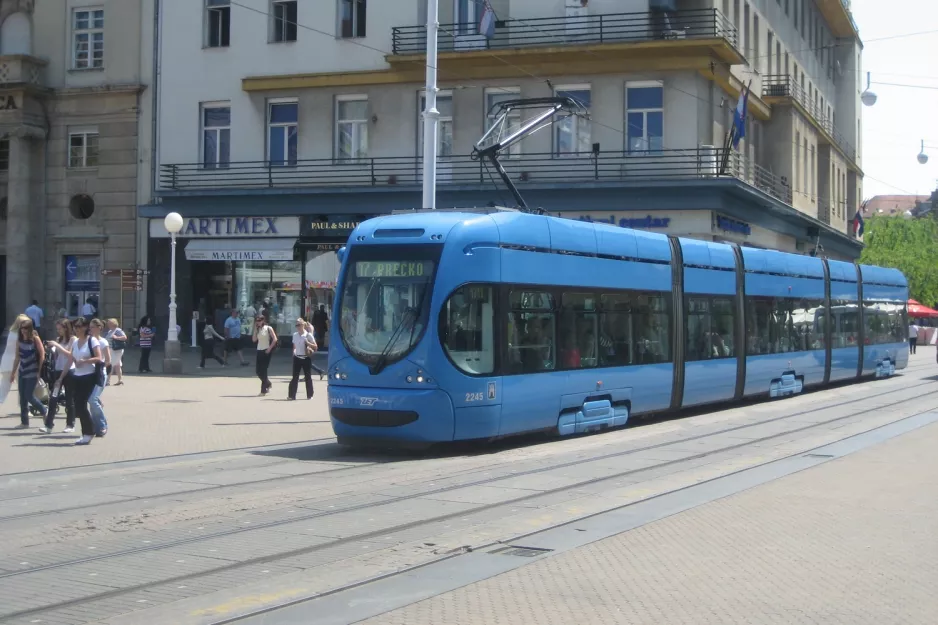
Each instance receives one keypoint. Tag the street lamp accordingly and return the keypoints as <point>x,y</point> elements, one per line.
<point>868,97</point>
<point>172,358</point>
<point>922,157</point>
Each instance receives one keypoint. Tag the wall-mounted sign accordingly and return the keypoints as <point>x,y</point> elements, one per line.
<point>230,227</point>
<point>648,222</point>
<point>731,225</point>
<point>331,226</point>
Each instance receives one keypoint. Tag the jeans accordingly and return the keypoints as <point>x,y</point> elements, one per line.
<point>260,368</point>
<point>913,341</point>
<point>208,351</point>
<point>68,399</point>
<point>27,388</point>
<point>304,365</point>
<point>97,410</point>
<point>144,359</point>
<point>84,386</point>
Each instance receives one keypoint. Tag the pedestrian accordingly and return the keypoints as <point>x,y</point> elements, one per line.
<point>9,357</point>
<point>304,346</point>
<point>309,329</point>
<point>118,341</point>
<point>913,337</point>
<point>208,344</point>
<point>34,312</point>
<point>145,332</point>
<point>86,357</point>
<point>88,309</point>
<point>266,340</point>
<point>30,356</point>
<point>64,368</point>
<point>101,373</point>
<point>321,324</point>
<point>233,336</point>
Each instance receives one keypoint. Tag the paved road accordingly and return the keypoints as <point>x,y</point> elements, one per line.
<point>216,534</point>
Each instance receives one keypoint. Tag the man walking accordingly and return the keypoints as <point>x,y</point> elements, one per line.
<point>35,314</point>
<point>233,337</point>
<point>913,337</point>
<point>320,325</point>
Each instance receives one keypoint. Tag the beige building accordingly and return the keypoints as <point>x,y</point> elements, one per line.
<point>73,76</point>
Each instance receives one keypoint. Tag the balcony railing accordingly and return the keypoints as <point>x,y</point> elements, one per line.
<point>571,30</point>
<point>580,168</point>
<point>783,85</point>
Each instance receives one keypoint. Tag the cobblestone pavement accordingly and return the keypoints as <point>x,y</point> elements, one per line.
<point>851,541</point>
<point>152,415</point>
<point>204,537</point>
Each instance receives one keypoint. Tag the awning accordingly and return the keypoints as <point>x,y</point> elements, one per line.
<point>240,250</point>
<point>918,310</point>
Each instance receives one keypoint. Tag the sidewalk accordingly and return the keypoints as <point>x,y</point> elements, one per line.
<point>281,363</point>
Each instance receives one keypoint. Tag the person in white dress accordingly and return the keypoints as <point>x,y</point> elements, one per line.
<point>9,357</point>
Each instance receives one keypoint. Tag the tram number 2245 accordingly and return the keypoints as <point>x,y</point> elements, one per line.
<point>471,397</point>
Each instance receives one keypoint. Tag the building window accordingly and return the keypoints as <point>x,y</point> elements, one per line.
<point>645,116</point>
<point>4,155</point>
<point>572,134</point>
<point>83,148</point>
<point>804,173</point>
<point>352,13</point>
<point>351,128</point>
<point>282,128</point>
<point>492,98</point>
<point>283,16</point>
<point>88,39</point>
<point>468,14</point>
<point>216,135</point>
<point>797,161</point>
<point>444,134</point>
<point>813,177</point>
<point>217,23</point>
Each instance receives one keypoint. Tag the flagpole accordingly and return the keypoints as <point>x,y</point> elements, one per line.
<point>431,115</point>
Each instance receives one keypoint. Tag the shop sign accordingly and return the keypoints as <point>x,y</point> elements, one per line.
<point>231,227</point>
<point>732,225</point>
<point>648,222</point>
<point>239,255</point>
<point>332,226</point>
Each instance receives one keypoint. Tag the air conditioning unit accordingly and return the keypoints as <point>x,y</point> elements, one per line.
<point>709,160</point>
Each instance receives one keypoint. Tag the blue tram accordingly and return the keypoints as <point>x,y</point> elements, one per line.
<point>455,325</point>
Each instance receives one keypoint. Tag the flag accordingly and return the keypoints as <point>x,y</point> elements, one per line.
<point>739,117</point>
<point>487,23</point>
<point>858,224</point>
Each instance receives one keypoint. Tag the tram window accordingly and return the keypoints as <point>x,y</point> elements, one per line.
<point>651,321</point>
<point>615,330</point>
<point>467,329</point>
<point>780,325</point>
<point>844,324</point>
<point>884,322</point>
<point>578,344</point>
<point>709,328</point>
<point>808,324</point>
<point>531,332</point>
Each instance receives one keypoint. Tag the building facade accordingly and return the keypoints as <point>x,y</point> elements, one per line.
<point>310,114</point>
<point>72,79</point>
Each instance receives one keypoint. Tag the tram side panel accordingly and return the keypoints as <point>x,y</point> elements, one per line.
<point>710,353</point>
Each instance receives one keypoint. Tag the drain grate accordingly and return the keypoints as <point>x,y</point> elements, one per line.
<point>819,455</point>
<point>521,552</point>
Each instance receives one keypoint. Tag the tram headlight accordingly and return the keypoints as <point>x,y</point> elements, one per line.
<point>410,379</point>
<point>345,376</point>
<point>420,379</point>
<point>338,376</point>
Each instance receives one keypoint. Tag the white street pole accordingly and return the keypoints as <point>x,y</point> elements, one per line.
<point>431,115</point>
<point>172,335</point>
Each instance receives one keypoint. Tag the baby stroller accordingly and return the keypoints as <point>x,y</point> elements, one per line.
<point>44,386</point>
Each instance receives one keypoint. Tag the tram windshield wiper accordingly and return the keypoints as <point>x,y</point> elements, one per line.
<point>382,360</point>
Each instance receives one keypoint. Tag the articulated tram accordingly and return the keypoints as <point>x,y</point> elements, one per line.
<point>456,325</point>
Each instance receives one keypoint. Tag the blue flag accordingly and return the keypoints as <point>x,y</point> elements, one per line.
<point>739,117</point>
<point>858,224</point>
<point>487,23</point>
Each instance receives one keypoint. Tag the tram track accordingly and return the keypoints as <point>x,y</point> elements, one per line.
<point>364,536</point>
<point>287,478</point>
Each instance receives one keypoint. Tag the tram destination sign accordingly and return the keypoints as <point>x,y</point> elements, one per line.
<point>394,269</point>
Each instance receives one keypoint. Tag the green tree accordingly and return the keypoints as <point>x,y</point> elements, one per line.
<point>909,245</point>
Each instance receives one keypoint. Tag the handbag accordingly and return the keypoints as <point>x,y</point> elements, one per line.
<point>117,344</point>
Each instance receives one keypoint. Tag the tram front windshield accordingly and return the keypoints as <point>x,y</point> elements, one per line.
<point>385,299</point>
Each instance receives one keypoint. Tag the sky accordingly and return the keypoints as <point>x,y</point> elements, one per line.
<point>902,117</point>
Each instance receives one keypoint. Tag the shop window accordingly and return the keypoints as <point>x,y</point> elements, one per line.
<point>645,116</point>
<point>444,134</point>
<point>531,332</point>
<point>710,328</point>
<point>282,132</point>
<point>216,136</point>
<point>88,39</point>
<point>572,135</point>
<point>578,325</point>
<point>467,329</point>
<point>217,23</point>
<point>283,20</point>
<point>351,128</point>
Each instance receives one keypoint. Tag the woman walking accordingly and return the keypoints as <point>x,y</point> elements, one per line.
<point>309,330</point>
<point>94,401</point>
<point>118,341</point>
<point>9,357</point>
<point>266,340</point>
<point>208,344</point>
<point>62,351</point>
<point>304,345</point>
<point>86,357</point>
<point>145,332</point>
<point>30,356</point>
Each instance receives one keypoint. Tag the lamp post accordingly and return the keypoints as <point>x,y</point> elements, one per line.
<point>868,97</point>
<point>172,357</point>
<point>431,115</point>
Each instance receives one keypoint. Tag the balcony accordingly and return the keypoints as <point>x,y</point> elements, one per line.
<point>20,70</point>
<point>406,172</point>
<point>838,16</point>
<point>783,86</point>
